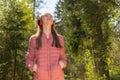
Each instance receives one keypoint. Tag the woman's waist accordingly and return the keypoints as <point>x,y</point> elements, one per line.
<point>47,67</point>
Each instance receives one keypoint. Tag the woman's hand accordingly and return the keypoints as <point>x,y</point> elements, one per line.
<point>35,68</point>
<point>61,64</point>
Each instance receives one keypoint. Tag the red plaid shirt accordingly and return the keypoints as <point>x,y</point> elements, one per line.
<point>47,58</point>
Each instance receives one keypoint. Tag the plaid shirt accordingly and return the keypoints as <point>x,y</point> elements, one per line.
<point>47,58</point>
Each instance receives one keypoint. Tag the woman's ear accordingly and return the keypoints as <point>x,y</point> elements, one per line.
<point>39,22</point>
<point>53,23</point>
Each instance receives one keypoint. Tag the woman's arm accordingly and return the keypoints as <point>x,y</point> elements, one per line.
<point>63,59</point>
<point>30,54</point>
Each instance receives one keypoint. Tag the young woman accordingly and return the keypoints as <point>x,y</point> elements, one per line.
<point>46,57</point>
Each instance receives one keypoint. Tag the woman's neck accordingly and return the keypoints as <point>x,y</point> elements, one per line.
<point>47,30</point>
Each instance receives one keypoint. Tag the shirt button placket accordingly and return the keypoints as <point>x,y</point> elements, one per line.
<point>49,67</point>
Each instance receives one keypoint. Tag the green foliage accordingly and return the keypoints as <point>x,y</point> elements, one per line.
<point>15,29</point>
<point>89,62</point>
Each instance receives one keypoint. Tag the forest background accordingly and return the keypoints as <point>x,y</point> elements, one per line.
<point>91,29</point>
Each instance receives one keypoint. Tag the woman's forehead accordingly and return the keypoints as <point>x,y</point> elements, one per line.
<point>48,14</point>
<point>45,15</point>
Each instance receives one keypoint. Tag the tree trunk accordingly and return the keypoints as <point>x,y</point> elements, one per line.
<point>100,61</point>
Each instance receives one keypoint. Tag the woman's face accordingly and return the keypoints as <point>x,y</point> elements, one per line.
<point>47,19</point>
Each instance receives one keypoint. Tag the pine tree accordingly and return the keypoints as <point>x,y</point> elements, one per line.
<point>14,23</point>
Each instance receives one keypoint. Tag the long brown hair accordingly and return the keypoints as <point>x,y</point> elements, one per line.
<point>55,41</point>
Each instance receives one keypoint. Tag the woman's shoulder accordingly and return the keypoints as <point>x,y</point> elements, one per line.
<point>33,37</point>
<point>60,36</point>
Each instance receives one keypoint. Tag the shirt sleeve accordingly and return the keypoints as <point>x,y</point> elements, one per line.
<point>30,54</point>
<point>62,53</point>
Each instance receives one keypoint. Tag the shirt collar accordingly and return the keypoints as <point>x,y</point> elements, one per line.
<point>44,35</point>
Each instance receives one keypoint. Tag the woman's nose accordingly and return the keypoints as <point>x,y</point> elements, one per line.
<point>49,17</point>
